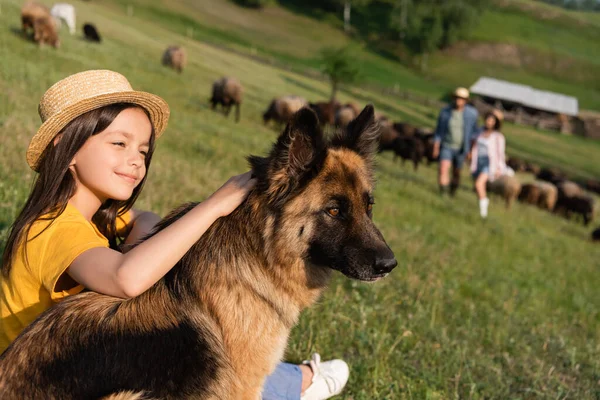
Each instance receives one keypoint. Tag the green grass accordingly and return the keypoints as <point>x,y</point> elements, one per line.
<point>502,309</point>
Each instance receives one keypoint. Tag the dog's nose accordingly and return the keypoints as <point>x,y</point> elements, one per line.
<point>385,265</point>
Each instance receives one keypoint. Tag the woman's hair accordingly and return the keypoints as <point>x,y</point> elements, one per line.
<point>497,124</point>
<point>55,184</point>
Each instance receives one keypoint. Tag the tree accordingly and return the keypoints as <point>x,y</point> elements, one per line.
<point>424,32</point>
<point>339,66</point>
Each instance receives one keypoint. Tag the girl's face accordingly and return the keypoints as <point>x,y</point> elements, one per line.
<point>490,122</point>
<point>112,163</point>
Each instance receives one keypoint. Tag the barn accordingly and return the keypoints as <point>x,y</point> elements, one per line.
<point>523,104</point>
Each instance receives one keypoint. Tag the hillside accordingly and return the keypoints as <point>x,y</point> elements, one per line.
<point>495,309</point>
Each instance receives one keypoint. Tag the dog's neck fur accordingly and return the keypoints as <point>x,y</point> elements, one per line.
<point>241,250</point>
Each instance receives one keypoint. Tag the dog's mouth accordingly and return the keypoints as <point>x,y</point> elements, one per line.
<point>375,277</point>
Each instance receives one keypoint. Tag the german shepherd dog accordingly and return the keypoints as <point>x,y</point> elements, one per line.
<point>217,324</point>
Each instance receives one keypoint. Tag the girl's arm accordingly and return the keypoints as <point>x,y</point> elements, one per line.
<point>127,275</point>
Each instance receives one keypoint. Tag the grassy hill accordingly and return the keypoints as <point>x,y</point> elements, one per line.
<point>550,48</point>
<point>496,309</point>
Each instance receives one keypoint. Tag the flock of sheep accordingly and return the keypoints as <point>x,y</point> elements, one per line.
<point>551,191</point>
<point>42,24</point>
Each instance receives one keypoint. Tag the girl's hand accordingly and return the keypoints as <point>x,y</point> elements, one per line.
<point>233,193</point>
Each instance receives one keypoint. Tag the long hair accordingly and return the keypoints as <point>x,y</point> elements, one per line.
<point>55,184</point>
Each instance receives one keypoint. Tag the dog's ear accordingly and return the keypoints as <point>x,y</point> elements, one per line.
<point>297,153</point>
<point>362,134</point>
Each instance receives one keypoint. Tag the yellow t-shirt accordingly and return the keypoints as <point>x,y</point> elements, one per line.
<point>29,289</point>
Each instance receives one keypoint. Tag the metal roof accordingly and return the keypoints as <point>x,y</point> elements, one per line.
<point>526,95</point>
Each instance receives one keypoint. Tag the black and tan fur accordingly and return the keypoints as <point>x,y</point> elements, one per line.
<point>217,324</point>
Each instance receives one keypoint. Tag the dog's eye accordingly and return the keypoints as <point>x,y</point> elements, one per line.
<point>334,212</point>
<point>370,207</point>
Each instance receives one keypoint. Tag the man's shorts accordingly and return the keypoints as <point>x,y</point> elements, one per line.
<point>455,155</point>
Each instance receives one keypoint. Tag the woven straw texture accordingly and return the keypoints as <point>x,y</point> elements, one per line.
<point>79,93</point>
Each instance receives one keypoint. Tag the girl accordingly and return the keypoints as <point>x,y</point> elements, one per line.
<point>92,153</point>
<point>488,160</point>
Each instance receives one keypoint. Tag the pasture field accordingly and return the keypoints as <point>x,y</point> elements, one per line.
<point>507,308</point>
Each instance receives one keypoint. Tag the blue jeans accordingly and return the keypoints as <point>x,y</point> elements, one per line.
<point>483,166</point>
<point>285,383</point>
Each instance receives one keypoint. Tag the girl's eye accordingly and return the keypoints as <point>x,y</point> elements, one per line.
<point>144,153</point>
<point>120,144</point>
<point>334,212</point>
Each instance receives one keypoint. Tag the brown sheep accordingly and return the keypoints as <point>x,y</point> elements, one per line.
<point>227,92</point>
<point>530,194</point>
<point>568,189</point>
<point>506,186</point>
<point>516,164</point>
<point>578,204</point>
<point>344,116</point>
<point>593,185</point>
<point>283,108</point>
<point>37,18</point>
<point>29,13</point>
<point>428,142</point>
<point>405,129</point>
<point>532,168</point>
<point>409,148</point>
<point>387,135</point>
<point>175,57</point>
<point>548,195</point>
<point>326,111</point>
<point>552,175</point>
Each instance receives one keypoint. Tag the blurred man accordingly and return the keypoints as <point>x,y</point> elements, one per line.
<point>455,131</point>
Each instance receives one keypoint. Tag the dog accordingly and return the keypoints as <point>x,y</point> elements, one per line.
<point>218,323</point>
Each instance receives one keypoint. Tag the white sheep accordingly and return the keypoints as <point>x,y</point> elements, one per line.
<point>64,12</point>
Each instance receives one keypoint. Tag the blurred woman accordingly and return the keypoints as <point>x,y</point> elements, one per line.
<point>488,158</point>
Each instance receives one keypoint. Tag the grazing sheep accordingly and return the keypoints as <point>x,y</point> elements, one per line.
<point>66,13</point>
<point>387,135</point>
<point>578,204</point>
<point>91,33</point>
<point>516,164</point>
<point>45,32</point>
<point>568,189</point>
<point>596,235</point>
<point>530,194</point>
<point>428,143</point>
<point>36,18</point>
<point>227,92</point>
<point>325,111</point>
<point>532,168</point>
<point>345,115</point>
<point>29,13</point>
<point>552,175</point>
<point>548,195</point>
<point>593,185</point>
<point>283,108</point>
<point>405,129</point>
<point>175,57</point>
<point>506,186</point>
<point>409,148</point>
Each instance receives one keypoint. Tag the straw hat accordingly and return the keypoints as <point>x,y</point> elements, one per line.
<point>79,93</point>
<point>461,92</point>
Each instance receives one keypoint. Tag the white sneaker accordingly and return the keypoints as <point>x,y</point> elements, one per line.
<point>483,207</point>
<point>329,378</point>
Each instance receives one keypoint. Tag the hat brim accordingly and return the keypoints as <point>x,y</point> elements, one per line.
<point>157,108</point>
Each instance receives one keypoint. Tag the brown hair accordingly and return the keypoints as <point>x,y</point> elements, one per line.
<point>55,185</point>
<point>498,123</point>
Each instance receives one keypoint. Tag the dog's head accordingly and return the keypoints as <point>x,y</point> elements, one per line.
<point>319,196</point>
